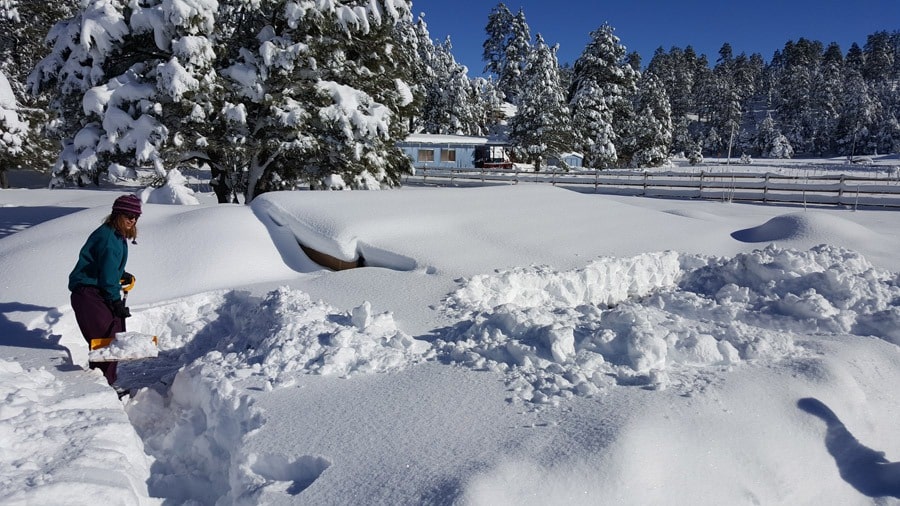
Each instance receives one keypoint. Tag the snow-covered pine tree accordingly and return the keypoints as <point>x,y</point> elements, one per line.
<point>726,102</point>
<point>23,26</point>
<point>487,106</point>
<point>602,84</point>
<point>541,128</point>
<point>712,143</point>
<point>449,96</point>
<point>506,49</point>
<point>426,51</point>
<point>771,142</point>
<point>879,72</point>
<point>119,76</point>
<point>802,61</point>
<point>269,94</point>
<point>825,100</point>
<point>648,135</point>
<point>781,147</point>
<point>13,130</point>
<point>498,30</point>
<point>857,112</point>
<point>765,135</point>
<point>677,70</point>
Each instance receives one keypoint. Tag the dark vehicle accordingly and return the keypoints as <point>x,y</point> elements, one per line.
<point>492,157</point>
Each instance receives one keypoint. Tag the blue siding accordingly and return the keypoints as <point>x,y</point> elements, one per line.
<point>458,156</point>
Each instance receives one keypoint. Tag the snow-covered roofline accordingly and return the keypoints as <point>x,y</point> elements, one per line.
<point>453,139</point>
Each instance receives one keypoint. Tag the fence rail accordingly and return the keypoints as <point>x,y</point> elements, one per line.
<point>828,189</point>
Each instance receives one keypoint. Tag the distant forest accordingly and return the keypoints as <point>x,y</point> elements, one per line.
<point>809,99</point>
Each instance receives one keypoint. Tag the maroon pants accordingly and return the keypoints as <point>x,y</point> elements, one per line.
<point>96,321</point>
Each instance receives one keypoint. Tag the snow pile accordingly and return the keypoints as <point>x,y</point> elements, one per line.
<point>555,336</point>
<point>290,332</point>
<point>61,449</point>
<point>126,346</point>
<point>205,419</point>
<point>824,289</point>
<point>231,338</point>
<point>283,333</point>
<point>606,281</point>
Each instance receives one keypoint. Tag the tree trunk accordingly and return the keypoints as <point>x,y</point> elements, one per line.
<point>4,179</point>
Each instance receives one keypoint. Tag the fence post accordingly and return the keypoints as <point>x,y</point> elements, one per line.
<point>700,189</point>
<point>766,189</point>
<point>841,189</point>
<point>645,184</point>
<point>596,180</point>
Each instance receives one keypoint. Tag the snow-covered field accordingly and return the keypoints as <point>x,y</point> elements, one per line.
<point>507,345</point>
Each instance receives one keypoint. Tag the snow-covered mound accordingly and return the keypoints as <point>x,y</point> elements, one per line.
<point>810,226</point>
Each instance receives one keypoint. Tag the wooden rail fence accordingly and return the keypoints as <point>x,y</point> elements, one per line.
<point>828,189</point>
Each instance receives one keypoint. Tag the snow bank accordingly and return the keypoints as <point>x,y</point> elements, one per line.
<point>66,444</point>
<point>231,337</point>
<point>555,335</point>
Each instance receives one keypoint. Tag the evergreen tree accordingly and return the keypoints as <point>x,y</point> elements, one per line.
<point>857,112</point>
<point>269,95</point>
<point>23,26</point>
<point>541,128</point>
<point>506,50</point>
<point>487,106</point>
<point>781,147</point>
<point>796,91</point>
<point>449,97</point>
<point>13,130</point>
<point>771,142</point>
<point>602,85</point>
<point>855,60</point>
<point>499,32</point>
<point>878,69</point>
<point>425,49</point>
<point>453,103</point>
<point>649,133</point>
<point>725,106</point>
<point>826,99</point>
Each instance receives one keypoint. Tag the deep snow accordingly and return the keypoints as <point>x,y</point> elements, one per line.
<point>506,345</point>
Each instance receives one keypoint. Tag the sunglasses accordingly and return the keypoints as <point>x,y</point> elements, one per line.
<point>129,216</point>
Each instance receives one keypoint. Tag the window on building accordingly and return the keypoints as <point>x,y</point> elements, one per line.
<point>426,155</point>
<point>448,155</point>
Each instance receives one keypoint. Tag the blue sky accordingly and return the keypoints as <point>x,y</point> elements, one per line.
<point>760,26</point>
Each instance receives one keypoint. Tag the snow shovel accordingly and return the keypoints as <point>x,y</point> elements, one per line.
<point>124,345</point>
